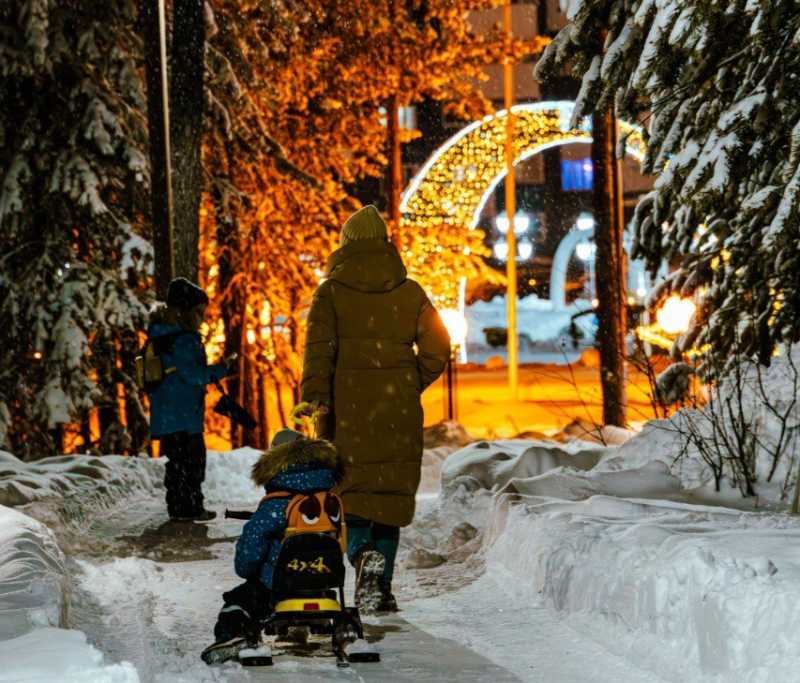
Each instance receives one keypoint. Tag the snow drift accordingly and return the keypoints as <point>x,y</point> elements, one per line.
<point>611,535</point>
<point>50,654</point>
<point>94,480</point>
<point>33,579</point>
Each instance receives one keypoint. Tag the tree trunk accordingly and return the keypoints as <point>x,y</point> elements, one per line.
<point>610,267</point>
<point>186,130</point>
<point>250,404</point>
<point>108,410</point>
<point>394,181</point>
<point>232,308</point>
<point>135,418</point>
<point>162,245</point>
<point>263,416</point>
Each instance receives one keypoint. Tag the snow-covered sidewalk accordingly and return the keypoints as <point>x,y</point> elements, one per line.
<point>528,560</point>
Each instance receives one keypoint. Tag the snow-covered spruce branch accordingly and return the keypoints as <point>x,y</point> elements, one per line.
<point>715,85</point>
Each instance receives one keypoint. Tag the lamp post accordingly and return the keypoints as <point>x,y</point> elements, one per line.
<point>511,189</point>
<point>456,323</point>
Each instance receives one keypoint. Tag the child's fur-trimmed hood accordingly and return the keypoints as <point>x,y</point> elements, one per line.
<point>300,454</point>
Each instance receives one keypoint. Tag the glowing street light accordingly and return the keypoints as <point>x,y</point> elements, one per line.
<point>456,323</point>
<point>585,221</point>
<point>585,251</point>
<point>675,314</point>
<point>522,221</point>
<point>502,223</point>
<point>524,249</point>
<point>500,250</point>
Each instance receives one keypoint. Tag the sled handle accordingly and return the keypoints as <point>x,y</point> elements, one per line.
<point>238,514</point>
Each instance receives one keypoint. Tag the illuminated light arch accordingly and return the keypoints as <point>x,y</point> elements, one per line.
<point>453,186</point>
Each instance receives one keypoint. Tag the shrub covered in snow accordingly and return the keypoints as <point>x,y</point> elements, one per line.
<point>746,433</point>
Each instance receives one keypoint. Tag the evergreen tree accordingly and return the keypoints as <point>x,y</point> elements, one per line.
<point>715,85</point>
<point>71,169</point>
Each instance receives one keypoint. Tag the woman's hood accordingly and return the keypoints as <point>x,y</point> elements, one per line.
<point>297,456</point>
<point>367,266</point>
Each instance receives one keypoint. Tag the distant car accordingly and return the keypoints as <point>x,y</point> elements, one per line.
<point>497,337</point>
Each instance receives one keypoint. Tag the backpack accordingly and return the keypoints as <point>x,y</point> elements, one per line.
<point>150,370</point>
<point>319,512</point>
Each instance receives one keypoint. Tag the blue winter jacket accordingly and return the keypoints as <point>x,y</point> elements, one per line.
<point>178,404</point>
<point>258,547</point>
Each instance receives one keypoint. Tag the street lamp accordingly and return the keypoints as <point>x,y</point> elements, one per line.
<point>585,251</point>
<point>456,323</point>
<point>501,250</point>
<point>522,221</point>
<point>675,314</point>
<point>524,249</point>
<point>585,221</point>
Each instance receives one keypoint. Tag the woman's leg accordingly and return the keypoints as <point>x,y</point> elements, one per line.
<point>359,536</point>
<point>386,539</point>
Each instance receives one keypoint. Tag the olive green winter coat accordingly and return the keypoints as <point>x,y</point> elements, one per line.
<point>360,360</point>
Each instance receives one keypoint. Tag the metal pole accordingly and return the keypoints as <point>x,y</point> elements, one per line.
<point>454,363</point>
<point>511,209</point>
<point>450,402</point>
<point>162,35</point>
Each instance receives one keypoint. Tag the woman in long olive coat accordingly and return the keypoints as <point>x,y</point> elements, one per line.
<point>374,343</point>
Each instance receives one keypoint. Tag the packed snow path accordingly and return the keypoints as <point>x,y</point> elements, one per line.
<point>148,592</point>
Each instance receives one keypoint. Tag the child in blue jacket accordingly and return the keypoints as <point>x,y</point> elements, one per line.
<point>294,464</point>
<point>177,405</point>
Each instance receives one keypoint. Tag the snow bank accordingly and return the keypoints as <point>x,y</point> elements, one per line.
<point>228,478</point>
<point>492,465</point>
<point>228,475</point>
<point>537,319</point>
<point>91,479</point>
<point>96,481</point>
<point>714,590</point>
<point>540,326</point>
<point>611,536</point>
<point>33,579</point>
<point>51,654</point>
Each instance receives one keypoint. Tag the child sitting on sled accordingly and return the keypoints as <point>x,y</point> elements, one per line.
<point>293,465</point>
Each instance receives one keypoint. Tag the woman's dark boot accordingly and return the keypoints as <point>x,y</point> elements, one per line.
<point>369,566</point>
<point>388,602</point>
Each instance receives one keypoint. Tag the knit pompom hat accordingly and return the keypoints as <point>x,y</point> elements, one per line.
<point>364,224</point>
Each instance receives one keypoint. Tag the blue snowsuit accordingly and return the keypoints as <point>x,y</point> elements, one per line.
<point>301,466</point>
<point>258,547</point>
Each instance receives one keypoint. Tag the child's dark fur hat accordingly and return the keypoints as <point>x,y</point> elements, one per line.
<point>301,451</point>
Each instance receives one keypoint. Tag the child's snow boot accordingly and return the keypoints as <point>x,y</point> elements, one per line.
<point>369,572</point>
<point>225,650</point>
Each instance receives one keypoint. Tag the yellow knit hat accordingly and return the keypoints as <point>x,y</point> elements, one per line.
<point>364,224</point>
